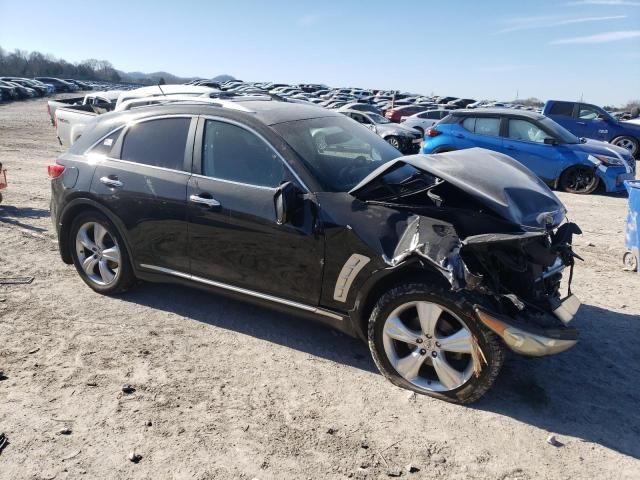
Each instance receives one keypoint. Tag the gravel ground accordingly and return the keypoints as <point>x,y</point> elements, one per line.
<point>227,390</point>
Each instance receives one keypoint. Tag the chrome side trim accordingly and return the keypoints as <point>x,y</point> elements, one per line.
<point>233,182</point>
<point>347,275</point>
<point>244,291</point>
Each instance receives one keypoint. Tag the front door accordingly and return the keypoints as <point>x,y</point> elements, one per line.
<point>233,234</point>
<point>525,143</point>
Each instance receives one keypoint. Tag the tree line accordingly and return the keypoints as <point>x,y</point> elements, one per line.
<point>21,63</point>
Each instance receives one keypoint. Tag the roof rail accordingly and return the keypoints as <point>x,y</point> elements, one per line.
<point>182,99</point>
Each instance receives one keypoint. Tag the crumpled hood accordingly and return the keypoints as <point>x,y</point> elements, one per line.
<point>500,183</point>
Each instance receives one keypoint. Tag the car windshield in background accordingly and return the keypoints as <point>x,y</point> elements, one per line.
<point>559,131</point>
<point>338,151</point>
<point>378,118</point>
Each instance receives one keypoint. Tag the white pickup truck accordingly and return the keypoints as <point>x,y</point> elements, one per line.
<point>70,120</point>
<point>100,102</point>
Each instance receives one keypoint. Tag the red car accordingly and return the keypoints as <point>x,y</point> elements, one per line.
<point>395,114</point>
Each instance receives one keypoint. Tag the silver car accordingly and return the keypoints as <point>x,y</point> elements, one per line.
<point>423,120</point>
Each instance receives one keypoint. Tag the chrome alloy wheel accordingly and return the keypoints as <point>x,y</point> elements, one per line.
<point>429,346</point>
<point>394,142</point>
<point>627,143</point>
<point>98,253</point>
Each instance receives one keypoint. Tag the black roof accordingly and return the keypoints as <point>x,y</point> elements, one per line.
<point>514,112</point>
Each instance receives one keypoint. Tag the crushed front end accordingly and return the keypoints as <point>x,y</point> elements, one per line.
<point>492,229</point>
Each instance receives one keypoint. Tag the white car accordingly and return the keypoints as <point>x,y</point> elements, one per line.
<point>423,120</point>
<point>164,90</point>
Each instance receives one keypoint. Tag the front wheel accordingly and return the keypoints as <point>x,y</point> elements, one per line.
<point>628,143</point>
<point>394,142</point>
<point>427,339</point>
<point>579,179</point>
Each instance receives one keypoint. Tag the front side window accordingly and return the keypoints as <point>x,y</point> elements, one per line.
<point>158,143</point>
<point>230,152</point>
<point>526,131</point>
<point>588,113</point>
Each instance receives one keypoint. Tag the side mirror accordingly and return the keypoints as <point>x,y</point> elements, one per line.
<point>550,141</point>
<point>286,201</point>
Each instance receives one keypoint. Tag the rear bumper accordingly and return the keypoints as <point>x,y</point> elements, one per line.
<point>531,340</point>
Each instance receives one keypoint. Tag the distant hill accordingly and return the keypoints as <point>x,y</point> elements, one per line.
<point>154,77</point>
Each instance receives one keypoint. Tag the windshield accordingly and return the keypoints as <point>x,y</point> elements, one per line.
<point>338,151</point>
<point>559,131</point>
<point>378,118</point>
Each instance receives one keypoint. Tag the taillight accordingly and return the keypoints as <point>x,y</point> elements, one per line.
<point>55,170</point>
<point>432,132</point>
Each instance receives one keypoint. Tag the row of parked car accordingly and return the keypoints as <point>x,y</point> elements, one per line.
<point>564,143</point>
<point>19,88</point>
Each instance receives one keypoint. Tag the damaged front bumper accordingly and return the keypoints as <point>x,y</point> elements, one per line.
<point>532,340</point>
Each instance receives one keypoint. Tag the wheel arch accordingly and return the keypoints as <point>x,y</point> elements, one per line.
<point>383,280</point>
<point>75,208</point>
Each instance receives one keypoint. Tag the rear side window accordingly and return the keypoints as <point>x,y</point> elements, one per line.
<point>562,108</point>
<point>159,143</point>
<point>230,152</point>
<point>482,125</point>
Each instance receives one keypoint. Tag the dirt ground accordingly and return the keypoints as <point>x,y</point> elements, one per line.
<point>228,390</point>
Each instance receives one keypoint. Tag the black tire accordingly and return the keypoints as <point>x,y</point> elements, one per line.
<point>444,149</point>
<point>490,344</point>
<point>628,143</point>
<point>579,179</point>
<point>124,278</point>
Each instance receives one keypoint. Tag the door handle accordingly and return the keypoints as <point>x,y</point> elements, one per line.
<point>111,181</point>
<point>209,202</point>
<point>581,123</point>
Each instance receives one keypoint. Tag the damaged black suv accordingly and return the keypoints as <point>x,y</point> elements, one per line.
<point>440,262</point>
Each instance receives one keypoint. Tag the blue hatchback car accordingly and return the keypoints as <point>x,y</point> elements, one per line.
<point>558,157</point>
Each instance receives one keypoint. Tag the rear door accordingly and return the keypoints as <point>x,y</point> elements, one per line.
<point>564,114</point>
<point>234,236</point>
<point>483,132</point>
<point>143,181</point>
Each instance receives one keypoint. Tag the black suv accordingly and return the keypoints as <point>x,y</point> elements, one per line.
<point>438,261</point>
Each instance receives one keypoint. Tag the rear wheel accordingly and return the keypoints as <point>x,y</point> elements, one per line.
<point>99,254</point>
<point>579,179</point>
<point>628,143</point>
<point>427,339</point>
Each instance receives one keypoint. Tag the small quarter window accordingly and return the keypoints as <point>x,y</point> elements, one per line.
<point>106,144</point>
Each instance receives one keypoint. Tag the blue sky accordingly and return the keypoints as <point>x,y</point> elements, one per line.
<point>480,49</point>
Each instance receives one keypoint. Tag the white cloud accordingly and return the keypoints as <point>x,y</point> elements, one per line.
<point>309,20</point>
<point>625,3</point>
<point>506,68</point>
<point>529,23</point>
<point>598,38</point>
